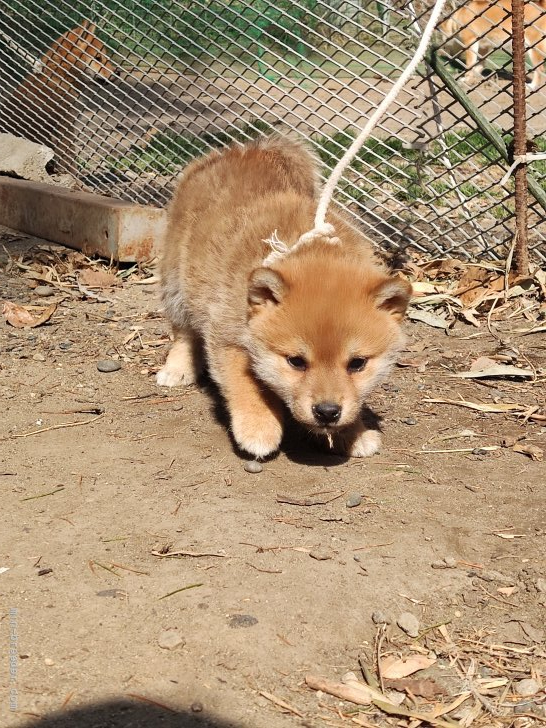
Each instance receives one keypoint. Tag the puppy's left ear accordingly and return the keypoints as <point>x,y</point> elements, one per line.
<point>265,287</point>
<point>393,295</point>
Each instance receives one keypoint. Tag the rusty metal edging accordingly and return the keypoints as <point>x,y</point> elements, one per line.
<point>521,246</point>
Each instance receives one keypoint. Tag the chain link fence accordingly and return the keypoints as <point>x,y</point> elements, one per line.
<point>131,90</point>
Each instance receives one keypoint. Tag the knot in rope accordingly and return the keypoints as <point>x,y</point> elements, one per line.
<point>324,233</point>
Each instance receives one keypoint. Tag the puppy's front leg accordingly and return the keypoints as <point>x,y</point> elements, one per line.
<point>256,413</point>
<point>358,441</point>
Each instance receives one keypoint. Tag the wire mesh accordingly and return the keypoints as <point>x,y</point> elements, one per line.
<point>131,90</point>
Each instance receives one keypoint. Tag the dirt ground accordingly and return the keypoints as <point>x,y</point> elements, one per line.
<point>104,474</point>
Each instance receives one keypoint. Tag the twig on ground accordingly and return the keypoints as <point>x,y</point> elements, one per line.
<point>59,427</point>
<point>281,703</point>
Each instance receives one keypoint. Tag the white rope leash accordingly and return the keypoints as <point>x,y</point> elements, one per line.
<point>324,231</point>
<point>522,159</point>
<point>375,118</point>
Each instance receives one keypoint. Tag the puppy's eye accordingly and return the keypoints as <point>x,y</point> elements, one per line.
<point>297,362</point>
<point>356,364</point>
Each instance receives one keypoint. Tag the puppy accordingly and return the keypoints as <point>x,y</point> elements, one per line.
<point>43,108</point>
<point>481,21</point>
<point>311,332</point>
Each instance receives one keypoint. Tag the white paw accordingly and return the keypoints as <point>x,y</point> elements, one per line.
<point>167,377</point>
<point>366,444</point>
<point>258,436</point>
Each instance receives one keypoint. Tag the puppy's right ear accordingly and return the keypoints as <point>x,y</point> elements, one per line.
<point>265,287</point>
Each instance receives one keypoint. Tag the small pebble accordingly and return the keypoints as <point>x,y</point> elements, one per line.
<point>450,562</point>
<point>108,593</point>
<point>541,585</point>
<point>409,420</point>
<point>356,557</point>
<point>44,291</point>
<point>43,572</point>
<point>527,687</point>
<point>355,499</point>
<point>65,345</point>
<point>108,365</point>
<point>49,662</point>
<point>320,554</point>
<point>253,466</point>
<point>242,620</point>
<point>169,639</point>
<point>439,565</point>
<point>408,623</point>
<point>379,617</point>
<point>197,707</point>
<point>38,357</point>
<point>479,451</point>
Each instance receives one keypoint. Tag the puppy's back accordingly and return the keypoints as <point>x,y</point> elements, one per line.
<point>239,173</point>
<point>213,188</point>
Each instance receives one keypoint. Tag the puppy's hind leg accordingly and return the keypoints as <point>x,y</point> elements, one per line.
<point>184,361</point>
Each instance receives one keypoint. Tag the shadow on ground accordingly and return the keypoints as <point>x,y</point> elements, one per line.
<point>125,714</point>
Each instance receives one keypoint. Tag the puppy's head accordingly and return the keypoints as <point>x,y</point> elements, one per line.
<point>322,332</point>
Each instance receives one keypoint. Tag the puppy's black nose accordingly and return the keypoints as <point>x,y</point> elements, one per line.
<point>326,413</point>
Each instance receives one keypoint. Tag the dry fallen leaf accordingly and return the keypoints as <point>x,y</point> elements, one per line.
<point>418,362</point>
<point>425,688</point>
<point>479,406</point>
<point>495,370</point>
<point>534,633</point>
<point>478,283</point>
<point>446,266</point>
<point>507,591</point>
<point>97,278</point>
<point>20,318</point>
<point>533,451</point>
<point>540,277</point>
<point>16,315</point>
<point>428,318</point>
<point>469,315</point>
<point>420,288</point>
<point>393,668</point>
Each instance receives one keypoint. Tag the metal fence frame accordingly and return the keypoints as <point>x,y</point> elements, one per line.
<point>429,180</point>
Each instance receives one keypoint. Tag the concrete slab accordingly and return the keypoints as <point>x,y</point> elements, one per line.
<point>22,158</point>
<point>89,222</point>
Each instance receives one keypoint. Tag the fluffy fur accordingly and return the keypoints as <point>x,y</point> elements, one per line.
<point>481,21</point>
<point>43,108</point>
<point>289,334</point>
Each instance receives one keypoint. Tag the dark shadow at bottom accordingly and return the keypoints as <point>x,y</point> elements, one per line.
<point>123,713</point>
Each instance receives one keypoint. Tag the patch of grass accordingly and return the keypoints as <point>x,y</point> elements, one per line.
<point>167,152</point>
<point>388,165</point>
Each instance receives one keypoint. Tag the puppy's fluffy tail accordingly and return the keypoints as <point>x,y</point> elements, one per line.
<point>293,161</point>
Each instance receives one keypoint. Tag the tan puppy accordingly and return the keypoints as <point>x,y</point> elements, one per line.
<point>312,332</point>
<point>477,22</point>
<point>43,108</point>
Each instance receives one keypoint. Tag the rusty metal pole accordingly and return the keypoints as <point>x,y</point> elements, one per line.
<point>520,262</point>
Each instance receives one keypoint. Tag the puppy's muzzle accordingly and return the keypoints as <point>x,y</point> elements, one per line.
<point>326,413</point>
